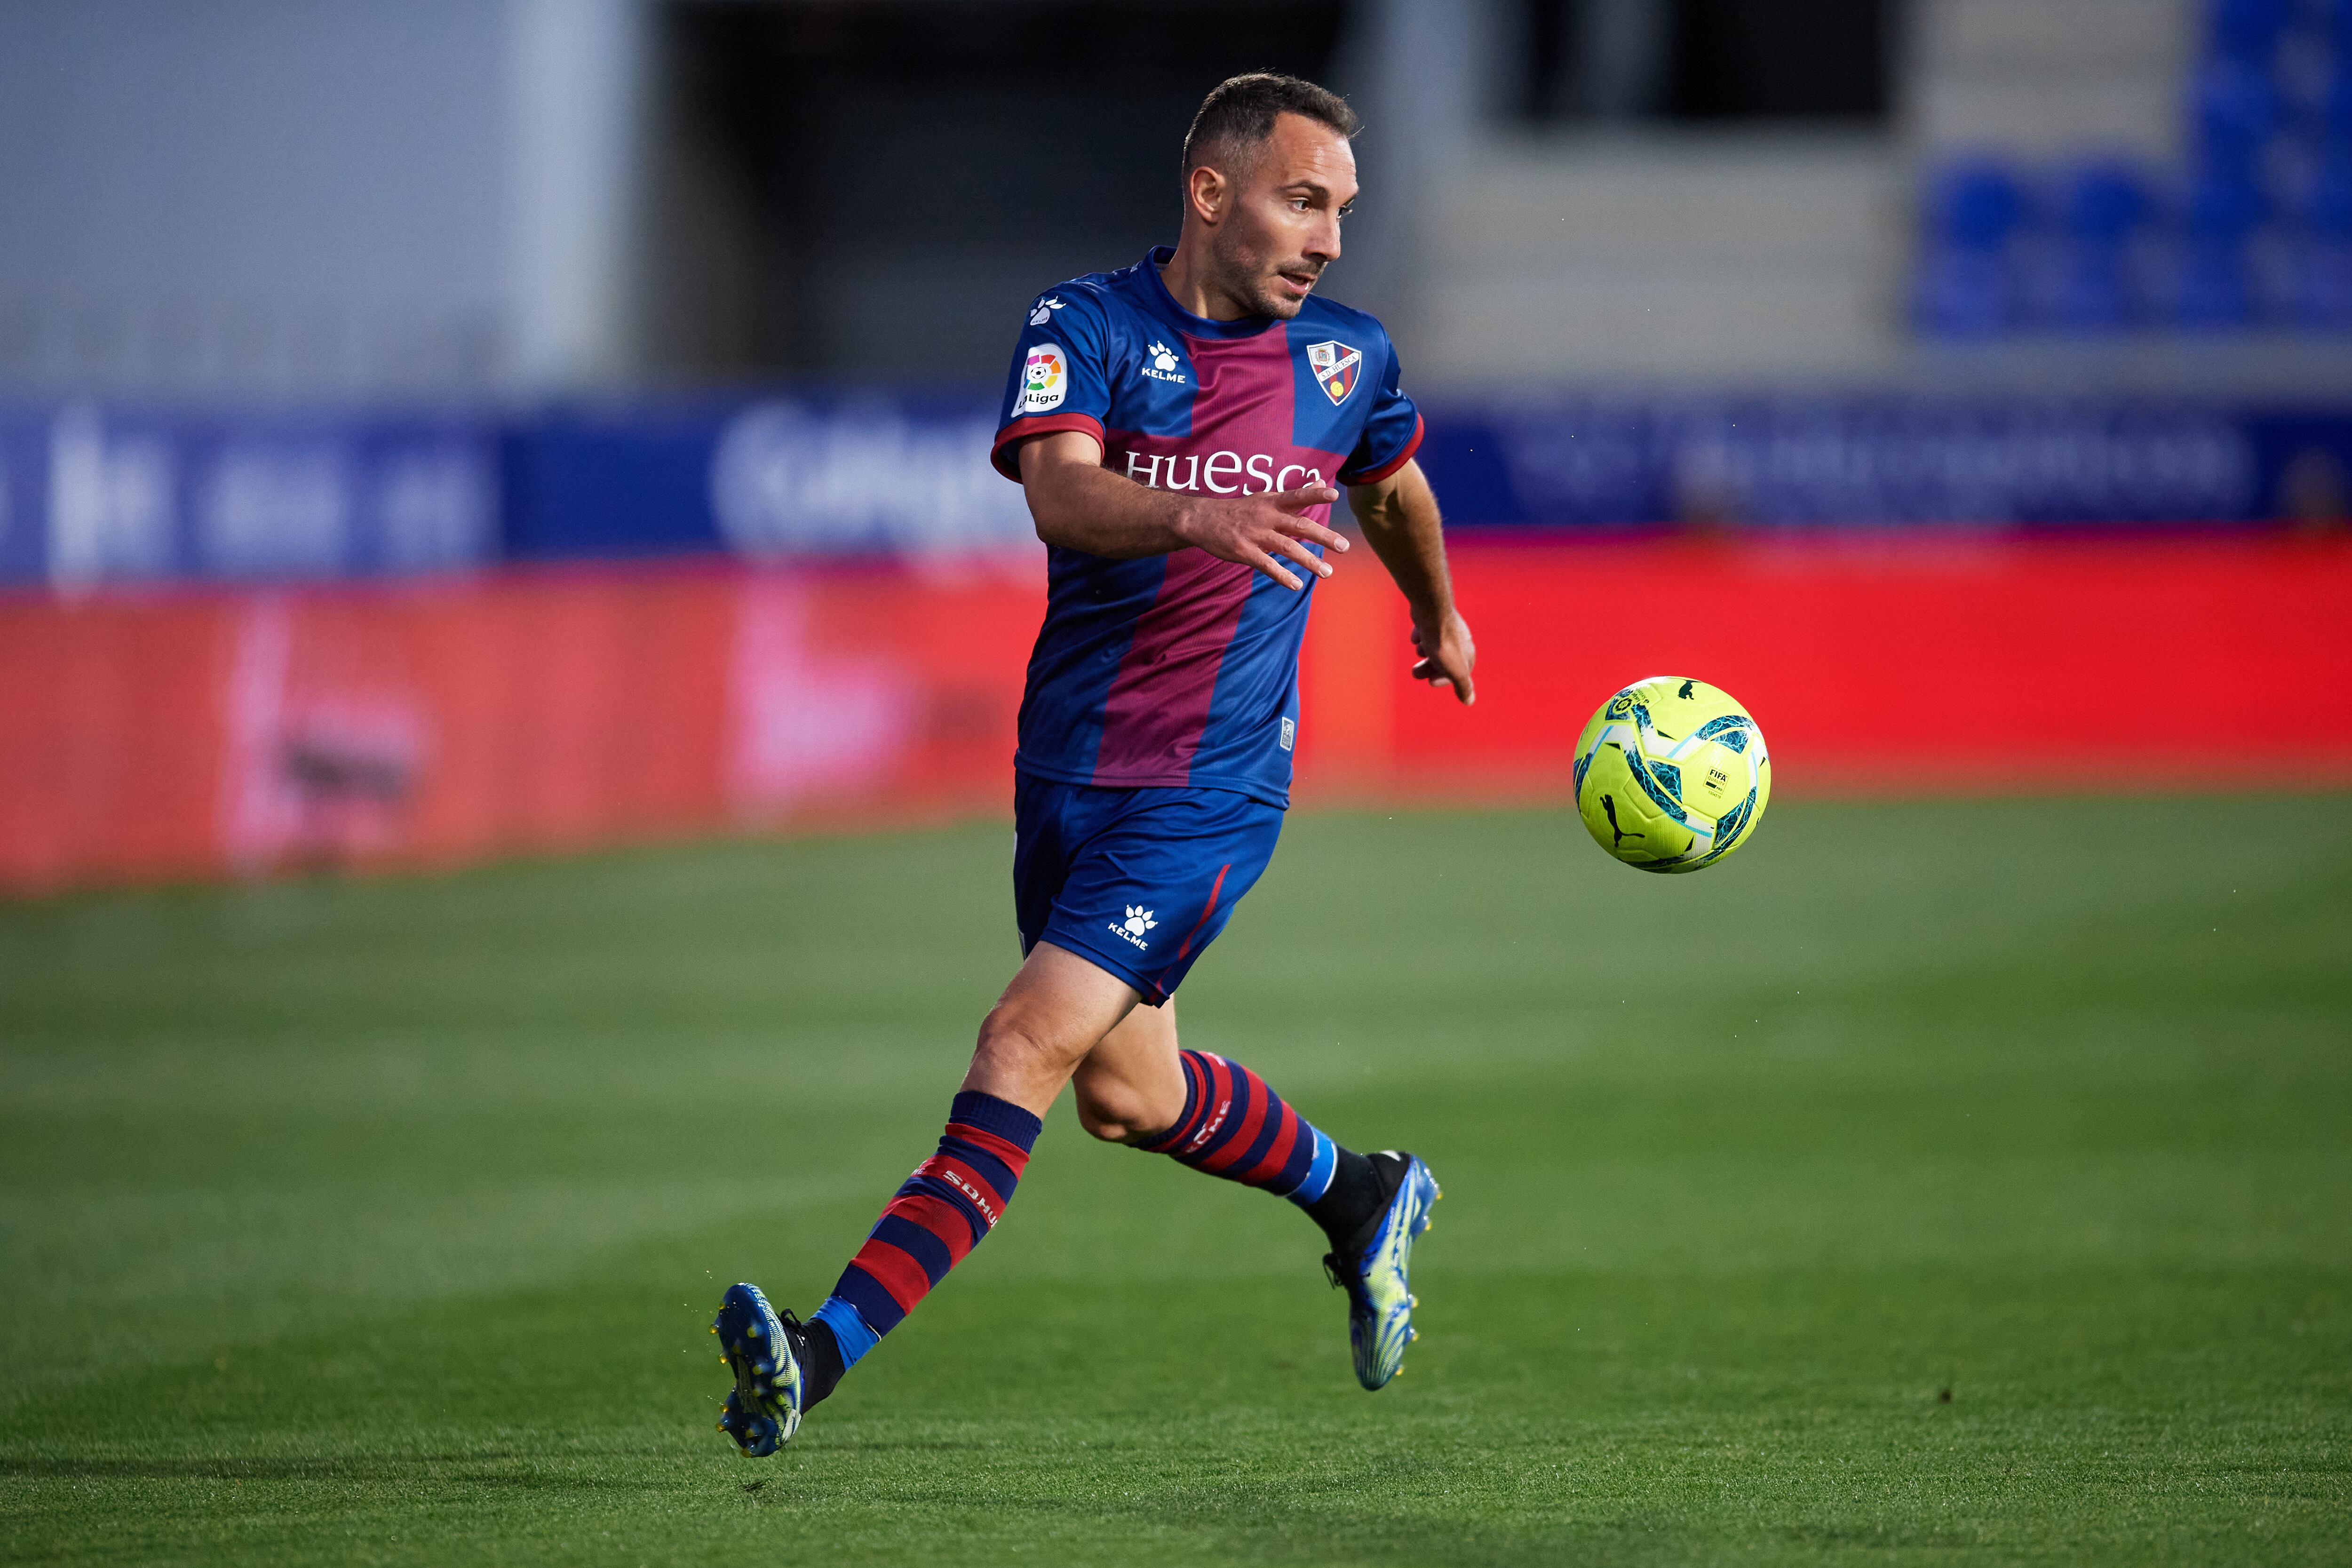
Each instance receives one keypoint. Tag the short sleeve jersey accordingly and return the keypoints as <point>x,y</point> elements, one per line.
<point>1182,670</point>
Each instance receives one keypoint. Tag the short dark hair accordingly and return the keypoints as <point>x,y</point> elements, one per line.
<point>1239,114</point>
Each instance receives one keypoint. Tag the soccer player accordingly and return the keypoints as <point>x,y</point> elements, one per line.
<point>1182,427</point>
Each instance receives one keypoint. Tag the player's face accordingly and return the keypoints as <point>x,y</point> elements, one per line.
<point>1284,227</point>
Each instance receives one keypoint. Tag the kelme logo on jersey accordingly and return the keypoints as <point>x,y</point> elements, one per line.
<point>1045,378</point>
<point>1045,311</point>
<point>1160,362</point>
<point>1335,366</point>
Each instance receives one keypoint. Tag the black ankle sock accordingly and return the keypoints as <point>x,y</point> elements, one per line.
<point>1360,1188</point>
<point>821,1365</point>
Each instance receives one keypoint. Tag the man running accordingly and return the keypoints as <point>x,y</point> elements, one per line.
<point>1182,427</point>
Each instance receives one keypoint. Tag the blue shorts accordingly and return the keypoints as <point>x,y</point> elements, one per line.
<point>1138,880</point>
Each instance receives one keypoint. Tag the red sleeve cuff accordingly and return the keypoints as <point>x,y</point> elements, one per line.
<point>1006,460</point>
<point>1404,455</point>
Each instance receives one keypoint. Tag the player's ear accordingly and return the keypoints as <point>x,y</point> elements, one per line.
<point>1207,192</point>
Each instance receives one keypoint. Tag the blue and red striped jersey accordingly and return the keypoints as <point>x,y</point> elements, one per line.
<point>1182,670</point>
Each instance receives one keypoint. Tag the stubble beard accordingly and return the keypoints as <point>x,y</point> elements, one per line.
<point>1247,275</point>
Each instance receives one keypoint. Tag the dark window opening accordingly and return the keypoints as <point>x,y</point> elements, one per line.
<point>1703,60</point>
<point>858,186</point>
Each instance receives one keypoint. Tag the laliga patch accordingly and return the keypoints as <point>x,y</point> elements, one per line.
<point>1044,379</point>
<point>1336,366</point>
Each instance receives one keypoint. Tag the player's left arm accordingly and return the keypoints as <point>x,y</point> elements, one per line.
<point>1400,519</point>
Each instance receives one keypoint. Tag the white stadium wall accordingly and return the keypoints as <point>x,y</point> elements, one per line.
<point>295,198</point>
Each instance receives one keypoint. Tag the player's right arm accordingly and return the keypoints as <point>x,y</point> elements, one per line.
<point>1079,504</point>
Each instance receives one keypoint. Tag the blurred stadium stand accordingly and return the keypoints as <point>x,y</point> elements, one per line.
<point>2220,206</point>
<point>629,364</point>
<point>509,198</point>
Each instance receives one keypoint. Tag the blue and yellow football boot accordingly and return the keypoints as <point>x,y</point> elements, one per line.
<point>763,1350</point>
<point>1380,1295</point>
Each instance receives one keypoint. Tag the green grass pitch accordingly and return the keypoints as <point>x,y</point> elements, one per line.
<point>1929,1183</point>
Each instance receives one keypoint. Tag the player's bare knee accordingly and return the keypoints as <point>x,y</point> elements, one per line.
<point>1011,1040</point>
<point>1111,1111</point>
<point>1107,1127</point>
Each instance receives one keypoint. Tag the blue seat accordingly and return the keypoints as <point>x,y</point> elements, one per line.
<point>2216,285</point>
<point>1963,294</point>
<point>2235,108</point>
<point>2335,107</point>
<point>1975,203</point>
<point>2323,268</point>
<point>1965,286</point>
<point>2106,201</point>
<point>2327,210</point>
<point>2323,287</point>
<point>2246,30</point>
<point>2225,202</point>
<point>2105,205</point>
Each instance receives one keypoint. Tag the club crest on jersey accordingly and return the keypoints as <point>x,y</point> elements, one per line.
<point>1161,364</point>
<point>1045,378</point>
<point>1336,366</point>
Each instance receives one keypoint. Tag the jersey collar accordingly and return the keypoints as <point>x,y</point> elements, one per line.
<point>1183,319</point>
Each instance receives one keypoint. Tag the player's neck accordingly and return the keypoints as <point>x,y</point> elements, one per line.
<point>1188,278</point>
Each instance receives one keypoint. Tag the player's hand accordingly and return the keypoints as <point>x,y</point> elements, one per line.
<point>1264,531</point>
<point>1447,655</point>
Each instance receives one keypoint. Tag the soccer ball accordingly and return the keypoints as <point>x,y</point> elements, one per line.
<point>1670,774</point>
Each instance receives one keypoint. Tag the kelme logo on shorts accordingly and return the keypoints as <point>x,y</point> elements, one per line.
<point>1139,921</point>
<point>1045,378</point>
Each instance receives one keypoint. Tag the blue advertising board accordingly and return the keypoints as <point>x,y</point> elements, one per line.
<point>847,475</point>
<point>839,474</point>
<point>1878,461</point>
<point>95,493</point>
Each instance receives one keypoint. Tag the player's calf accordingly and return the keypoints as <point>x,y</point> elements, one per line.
<point>784,1367</point>
<point>1234,1126</point>
<point>1371,1207</point>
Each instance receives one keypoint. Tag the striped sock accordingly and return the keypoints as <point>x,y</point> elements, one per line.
<point>952,1200</point>
<point>1235,1127</point>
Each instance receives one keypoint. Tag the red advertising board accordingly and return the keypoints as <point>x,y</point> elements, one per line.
<point>205,733</point>
<point>1899,666</point>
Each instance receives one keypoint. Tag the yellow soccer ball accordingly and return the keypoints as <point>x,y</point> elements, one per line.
<point>1670,774</point>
